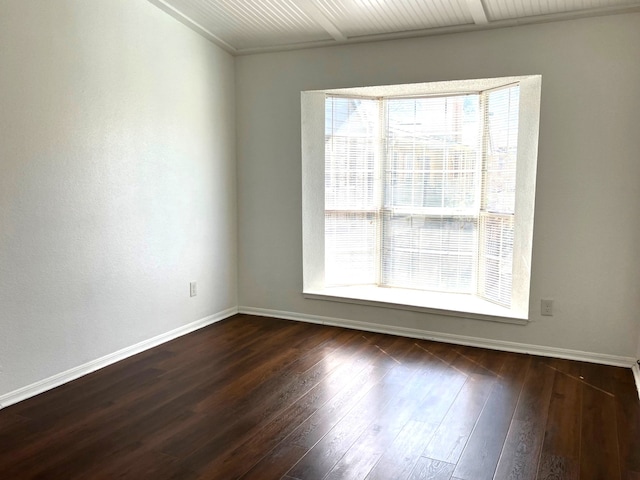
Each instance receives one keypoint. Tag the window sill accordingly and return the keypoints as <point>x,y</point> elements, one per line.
<point>450,304</point>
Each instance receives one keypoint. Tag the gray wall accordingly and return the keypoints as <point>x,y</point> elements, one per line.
<point>586,253</point>
<point>117,181</point>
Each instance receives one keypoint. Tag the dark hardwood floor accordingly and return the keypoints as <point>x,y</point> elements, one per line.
<point>260,398</point>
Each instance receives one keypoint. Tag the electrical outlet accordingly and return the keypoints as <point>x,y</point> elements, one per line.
<point>546,307</point>
<point>193,289</point>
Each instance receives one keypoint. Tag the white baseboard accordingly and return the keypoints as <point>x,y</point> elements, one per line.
<point>601,358</point>
<point>636,376</point>
<point>81,370</point>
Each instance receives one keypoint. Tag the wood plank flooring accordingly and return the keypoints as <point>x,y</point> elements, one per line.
<point>261,398</point>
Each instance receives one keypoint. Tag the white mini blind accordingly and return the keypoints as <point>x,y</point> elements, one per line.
<point>431,181</point>
<point>501,108</point>
<point>431,153</point>
<point>351,146</point>
<point>420,192</point>
<point>429,252</point>
<point>501,112</point>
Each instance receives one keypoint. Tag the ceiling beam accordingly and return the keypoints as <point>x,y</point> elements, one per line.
<point>182,18</point>
<point>311,9</point>
<point>478,12</point>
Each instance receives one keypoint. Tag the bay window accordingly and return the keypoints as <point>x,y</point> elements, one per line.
<point>421,196</point>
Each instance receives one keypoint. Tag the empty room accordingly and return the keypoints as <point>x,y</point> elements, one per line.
<point>320,239</point>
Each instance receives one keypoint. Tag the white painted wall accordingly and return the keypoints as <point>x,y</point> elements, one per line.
<point>586,253</point>
<point>117,181</point>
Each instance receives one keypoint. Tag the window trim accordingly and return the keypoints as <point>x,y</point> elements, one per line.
<point>313,142</point>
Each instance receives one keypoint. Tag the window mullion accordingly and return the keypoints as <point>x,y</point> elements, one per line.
<point>480,276</point>
<point>378,187</point>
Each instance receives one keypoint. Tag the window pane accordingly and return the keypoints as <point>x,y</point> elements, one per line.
<point>350,248</point>
<point>351,130</point>
<point>429,253</point>
<point>432,152</point>
<point>496,258</point>
<point>501,150</point>
<point>351,146</point>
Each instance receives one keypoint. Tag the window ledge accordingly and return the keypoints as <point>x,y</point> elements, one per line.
<point>450,304</point>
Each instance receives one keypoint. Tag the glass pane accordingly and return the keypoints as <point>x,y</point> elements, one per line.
<point>501,150</point>
<point>432,147</point>
<point>350,248</point>
<point>429,253</point>
<point>351,130</point>
<point>497,258</point>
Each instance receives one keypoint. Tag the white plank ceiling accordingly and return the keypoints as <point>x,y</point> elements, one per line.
<point>249,26</point>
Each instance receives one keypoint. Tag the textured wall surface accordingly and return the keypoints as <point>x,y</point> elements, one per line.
<point>117,181</point>
<point>586,253</point>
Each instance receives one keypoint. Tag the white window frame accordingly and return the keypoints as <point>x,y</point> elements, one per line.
<point>460,305</point>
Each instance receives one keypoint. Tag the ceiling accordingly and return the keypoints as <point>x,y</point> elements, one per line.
<point>251,26</point>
